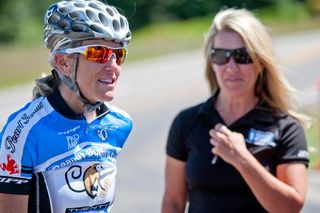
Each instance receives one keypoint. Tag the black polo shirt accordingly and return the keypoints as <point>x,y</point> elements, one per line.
<point>273,138</point>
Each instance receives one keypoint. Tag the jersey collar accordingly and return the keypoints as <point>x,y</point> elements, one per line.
<point>58,103</point>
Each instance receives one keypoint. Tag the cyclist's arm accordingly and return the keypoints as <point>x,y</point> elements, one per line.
<point>12,203</point>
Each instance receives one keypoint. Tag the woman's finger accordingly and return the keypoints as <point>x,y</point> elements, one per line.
<point>222,129</point>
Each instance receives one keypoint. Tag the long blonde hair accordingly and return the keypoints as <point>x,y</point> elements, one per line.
<point>271,86</point>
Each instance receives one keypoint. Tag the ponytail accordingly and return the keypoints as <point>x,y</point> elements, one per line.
<point>45,86</point>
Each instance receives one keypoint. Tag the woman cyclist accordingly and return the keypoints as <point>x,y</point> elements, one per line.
<point>58,153</point>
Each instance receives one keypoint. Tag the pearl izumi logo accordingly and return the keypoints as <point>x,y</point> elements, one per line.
<point>103,134</point>
<point>21,124</point>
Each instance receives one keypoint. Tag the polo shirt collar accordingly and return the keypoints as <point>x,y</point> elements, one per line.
<point>261,113</point>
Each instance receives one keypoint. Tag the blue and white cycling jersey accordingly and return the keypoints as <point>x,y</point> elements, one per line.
<point>63,164</point>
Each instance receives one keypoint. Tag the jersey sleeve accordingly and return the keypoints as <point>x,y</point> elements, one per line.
<point>292,144</point>
<point>15,178</point>
<point>176,147</point>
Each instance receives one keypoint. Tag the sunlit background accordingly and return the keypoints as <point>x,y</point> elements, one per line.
<point>160,29</point>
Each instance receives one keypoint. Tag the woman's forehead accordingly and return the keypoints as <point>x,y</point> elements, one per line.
<point>228,40</point>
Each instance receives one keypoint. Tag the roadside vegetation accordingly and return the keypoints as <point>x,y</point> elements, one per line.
<point>26,58</point>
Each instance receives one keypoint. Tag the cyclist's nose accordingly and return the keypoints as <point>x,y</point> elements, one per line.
<point>112,59</point>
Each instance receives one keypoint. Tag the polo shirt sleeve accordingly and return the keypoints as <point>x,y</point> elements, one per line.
<point>292,143</point>
<point>176,147</point>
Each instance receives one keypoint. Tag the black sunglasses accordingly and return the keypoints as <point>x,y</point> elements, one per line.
<point>222,56</point>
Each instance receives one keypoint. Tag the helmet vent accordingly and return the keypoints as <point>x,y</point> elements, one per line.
<point>110,12</point>
<point>116,25</point>
<point>96,28</point>
<point>121,23</point>
<point>75,16</point>
<point>95,6</point>
<point>91,16</point>
<point>54,18</point>
<point>64,24</point>
<point>103,19</point>
<point>78,28</point>
<point>64,10</point>
<point>128,35</point>
<point>80,4</point>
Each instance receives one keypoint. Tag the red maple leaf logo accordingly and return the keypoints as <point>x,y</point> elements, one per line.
<point>11,166</point>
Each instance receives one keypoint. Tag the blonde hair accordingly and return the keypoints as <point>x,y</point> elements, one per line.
<point>45,85</point>
<point>271,86</point>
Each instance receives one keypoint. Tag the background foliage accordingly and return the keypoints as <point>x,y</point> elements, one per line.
<point>15,15</point>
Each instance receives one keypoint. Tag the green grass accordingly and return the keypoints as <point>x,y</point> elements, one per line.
<point>21,64</point>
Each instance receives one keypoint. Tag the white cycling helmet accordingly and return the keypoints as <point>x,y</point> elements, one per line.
<point>76,20</point>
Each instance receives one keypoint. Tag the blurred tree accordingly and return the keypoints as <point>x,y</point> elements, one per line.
<point>9,20</point>
<point>314,6</point>
<point>138,12</point>
<point>15,15</point>
<point>38,8</point>
<point>186,9</point>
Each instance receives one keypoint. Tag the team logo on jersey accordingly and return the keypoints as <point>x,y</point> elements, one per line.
<point>92,183</point>
<point>72,140</point>
<point>10,166</point>
<point>103,134</point>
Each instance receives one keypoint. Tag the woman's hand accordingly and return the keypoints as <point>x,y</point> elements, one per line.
<point>228,145</point>
<point>288,186</point>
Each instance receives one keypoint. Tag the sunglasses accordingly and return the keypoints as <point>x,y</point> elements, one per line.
<point>99,53</point>
<point>222,56</point>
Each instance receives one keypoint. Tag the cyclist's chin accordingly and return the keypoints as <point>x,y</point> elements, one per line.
<point>107,96</point>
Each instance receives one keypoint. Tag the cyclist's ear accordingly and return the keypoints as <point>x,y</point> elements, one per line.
<point>63,63</point>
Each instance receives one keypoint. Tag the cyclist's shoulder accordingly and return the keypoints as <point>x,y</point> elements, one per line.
<point>117,111</point>
<point>29,114</point>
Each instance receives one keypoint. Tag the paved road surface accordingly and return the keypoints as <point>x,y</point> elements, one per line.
<point>153,91</point>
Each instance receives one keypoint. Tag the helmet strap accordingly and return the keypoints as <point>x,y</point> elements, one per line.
<point>76,89</point>
<point>72,84</point>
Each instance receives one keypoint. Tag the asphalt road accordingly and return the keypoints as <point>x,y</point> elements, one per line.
<point>153,91</point>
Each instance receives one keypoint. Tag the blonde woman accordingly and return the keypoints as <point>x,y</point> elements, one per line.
<point>244,149</point>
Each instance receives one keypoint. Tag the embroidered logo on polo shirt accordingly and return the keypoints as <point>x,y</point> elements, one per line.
<point>261,138</point>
